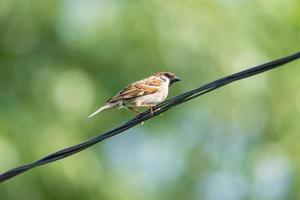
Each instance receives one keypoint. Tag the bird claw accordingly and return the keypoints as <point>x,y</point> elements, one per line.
<point>153,110</point>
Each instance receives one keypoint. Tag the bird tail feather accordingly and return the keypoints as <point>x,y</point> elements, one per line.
<point>103,108</point>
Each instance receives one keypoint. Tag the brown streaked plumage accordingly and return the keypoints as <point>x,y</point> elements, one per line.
<point>144,93</point>
<point>139,88</point>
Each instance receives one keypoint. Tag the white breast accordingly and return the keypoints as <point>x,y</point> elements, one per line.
<point>153,99</point>
<point>164,91</point>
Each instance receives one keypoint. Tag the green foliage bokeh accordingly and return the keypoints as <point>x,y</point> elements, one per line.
<point>60,60</point>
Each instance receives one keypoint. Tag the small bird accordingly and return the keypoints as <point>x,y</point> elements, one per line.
<point>144,93</point>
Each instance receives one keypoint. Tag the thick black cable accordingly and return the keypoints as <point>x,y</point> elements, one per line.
<point>164,106</point>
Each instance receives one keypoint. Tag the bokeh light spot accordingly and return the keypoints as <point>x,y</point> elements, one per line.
<point>73,92</point>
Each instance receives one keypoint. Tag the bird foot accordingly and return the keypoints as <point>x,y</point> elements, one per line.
<point>153,110</point>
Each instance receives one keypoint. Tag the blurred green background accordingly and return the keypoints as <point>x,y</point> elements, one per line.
<point>60,60</point>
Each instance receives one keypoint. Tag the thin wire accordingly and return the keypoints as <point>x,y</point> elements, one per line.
<point>163,107</point>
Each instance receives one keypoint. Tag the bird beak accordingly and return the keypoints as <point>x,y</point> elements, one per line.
<point>176,79</point>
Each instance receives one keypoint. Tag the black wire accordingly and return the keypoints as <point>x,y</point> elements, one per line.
<point>164,106</point>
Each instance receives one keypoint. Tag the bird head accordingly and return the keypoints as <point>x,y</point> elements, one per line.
<point>168,76</point>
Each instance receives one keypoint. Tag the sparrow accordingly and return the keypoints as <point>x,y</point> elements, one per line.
<point>148,93</point>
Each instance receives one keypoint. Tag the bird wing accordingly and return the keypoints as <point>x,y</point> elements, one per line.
<point>138,89</point>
